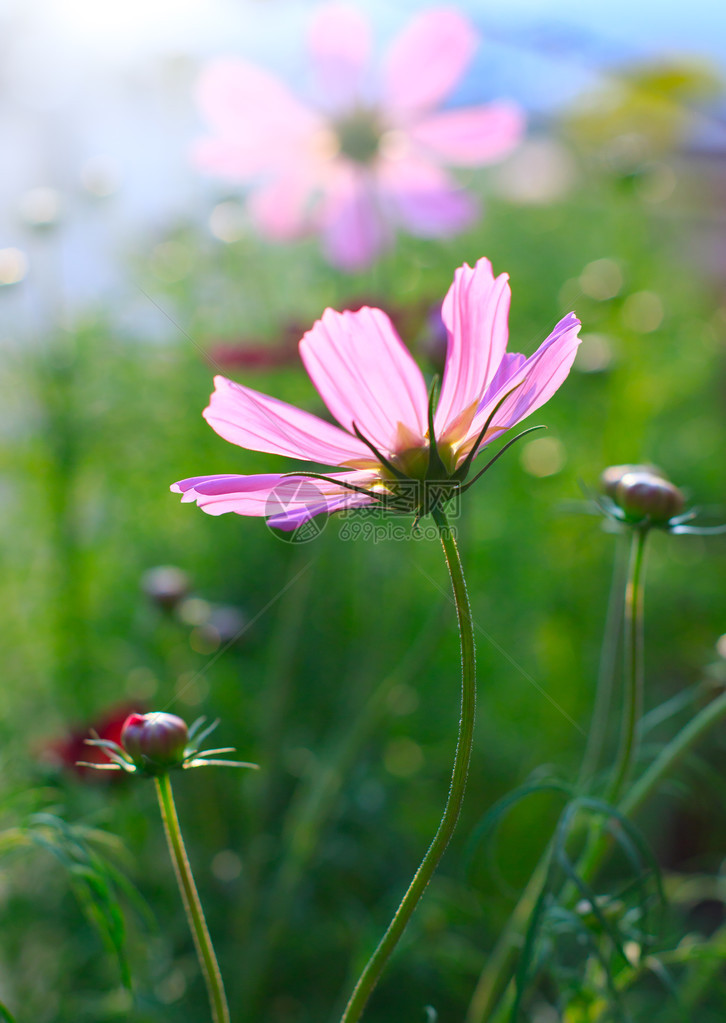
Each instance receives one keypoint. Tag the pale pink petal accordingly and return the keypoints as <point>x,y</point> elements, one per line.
<point>232,159</point>
<point>366,375</point>
<point>287,501</point>
<point>471,136</point>
<point>281,208</point>
<point>536,379</point>
<point>340,45</point>
<point>427,60</point>
<point>423,198</point>
<point>475,313</point>
<point>257,122</point>
<point>353,228</point>
<point>261,423</point>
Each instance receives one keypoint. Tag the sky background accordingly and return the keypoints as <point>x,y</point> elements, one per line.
<point>92,90</point>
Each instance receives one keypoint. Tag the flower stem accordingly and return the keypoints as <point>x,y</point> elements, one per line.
<point>495,976</point>
<point>192,905</point>
<point>633,633</point>
<point>373,969</point>
<point>669,757</point>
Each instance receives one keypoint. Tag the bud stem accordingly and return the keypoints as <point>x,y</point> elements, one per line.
<point>633,632</point>
<point>373,969</point>
<point>190,898</point>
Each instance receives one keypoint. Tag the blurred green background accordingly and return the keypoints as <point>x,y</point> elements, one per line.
<point>343,680</point>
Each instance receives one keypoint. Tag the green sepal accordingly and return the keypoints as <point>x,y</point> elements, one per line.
<point>435,470</point>
<point>463,469</point>
<point>499,454</point>
<point>381,458</point>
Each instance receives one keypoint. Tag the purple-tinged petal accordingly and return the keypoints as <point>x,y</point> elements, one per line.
<point>287,501</point>
<point>366,375</point>
<point>475,313</point>
<point>538,378</point>
<point>427,60</point>
<point>353,229</point>
<point>257,122</point>
<point>423,198</point>
<point>340,45</point>
<point>256,421</point>
<point>471,136</point>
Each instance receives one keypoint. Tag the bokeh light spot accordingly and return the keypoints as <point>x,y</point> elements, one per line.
<point>40,207</point>
<point>141,683</point>
<point>544,456</point>
<point>642,312</point>
<point>192,689</point>
<point>594,354</point>
<point>601,279</point>
<point>226,865</point>
<point>228,221</point>
<point>403,757</point>
<point>540,171</point>
<point>13,266</point>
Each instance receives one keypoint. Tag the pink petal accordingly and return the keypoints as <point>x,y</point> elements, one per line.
<point>281,208</point>
<point>473,135</point>
<point>538,378</point>
<point>257,122</point>
<point>427,60</point>
<point>353,229</point>
<point>366,375</point>
<point>261,423</point>
<point>287,501</point>
<point>424,199</point>
<point>475,313</point>
<point>340,44</point>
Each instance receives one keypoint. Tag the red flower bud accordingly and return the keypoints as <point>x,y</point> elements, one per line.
<point>155,742</point>
<point>646,495</point>
<point>610,477</point>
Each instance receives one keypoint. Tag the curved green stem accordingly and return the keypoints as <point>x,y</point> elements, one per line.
<point>373,969</point>
<point>192,905</point>
<point>633,634</point>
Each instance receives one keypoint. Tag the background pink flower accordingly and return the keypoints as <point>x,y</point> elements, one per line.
<point>368,155</point>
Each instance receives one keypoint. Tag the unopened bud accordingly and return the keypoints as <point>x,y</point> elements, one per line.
<point>610,477</point>
<point>166,585</point>
<point>645,495</point>
<point>155,742</point>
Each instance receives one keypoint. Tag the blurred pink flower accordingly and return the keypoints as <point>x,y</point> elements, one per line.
<point>364,158</point>
<point>372,386</point>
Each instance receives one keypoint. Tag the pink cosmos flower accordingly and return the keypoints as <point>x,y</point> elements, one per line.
<point>394,447</point>
<point>367,156</point>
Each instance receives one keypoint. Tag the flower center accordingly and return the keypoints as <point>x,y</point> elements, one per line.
<point>414,462</point>
<point>359,135</point>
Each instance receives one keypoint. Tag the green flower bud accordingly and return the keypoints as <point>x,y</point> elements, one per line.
<point>155,742</point>
<point>646,495</point>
